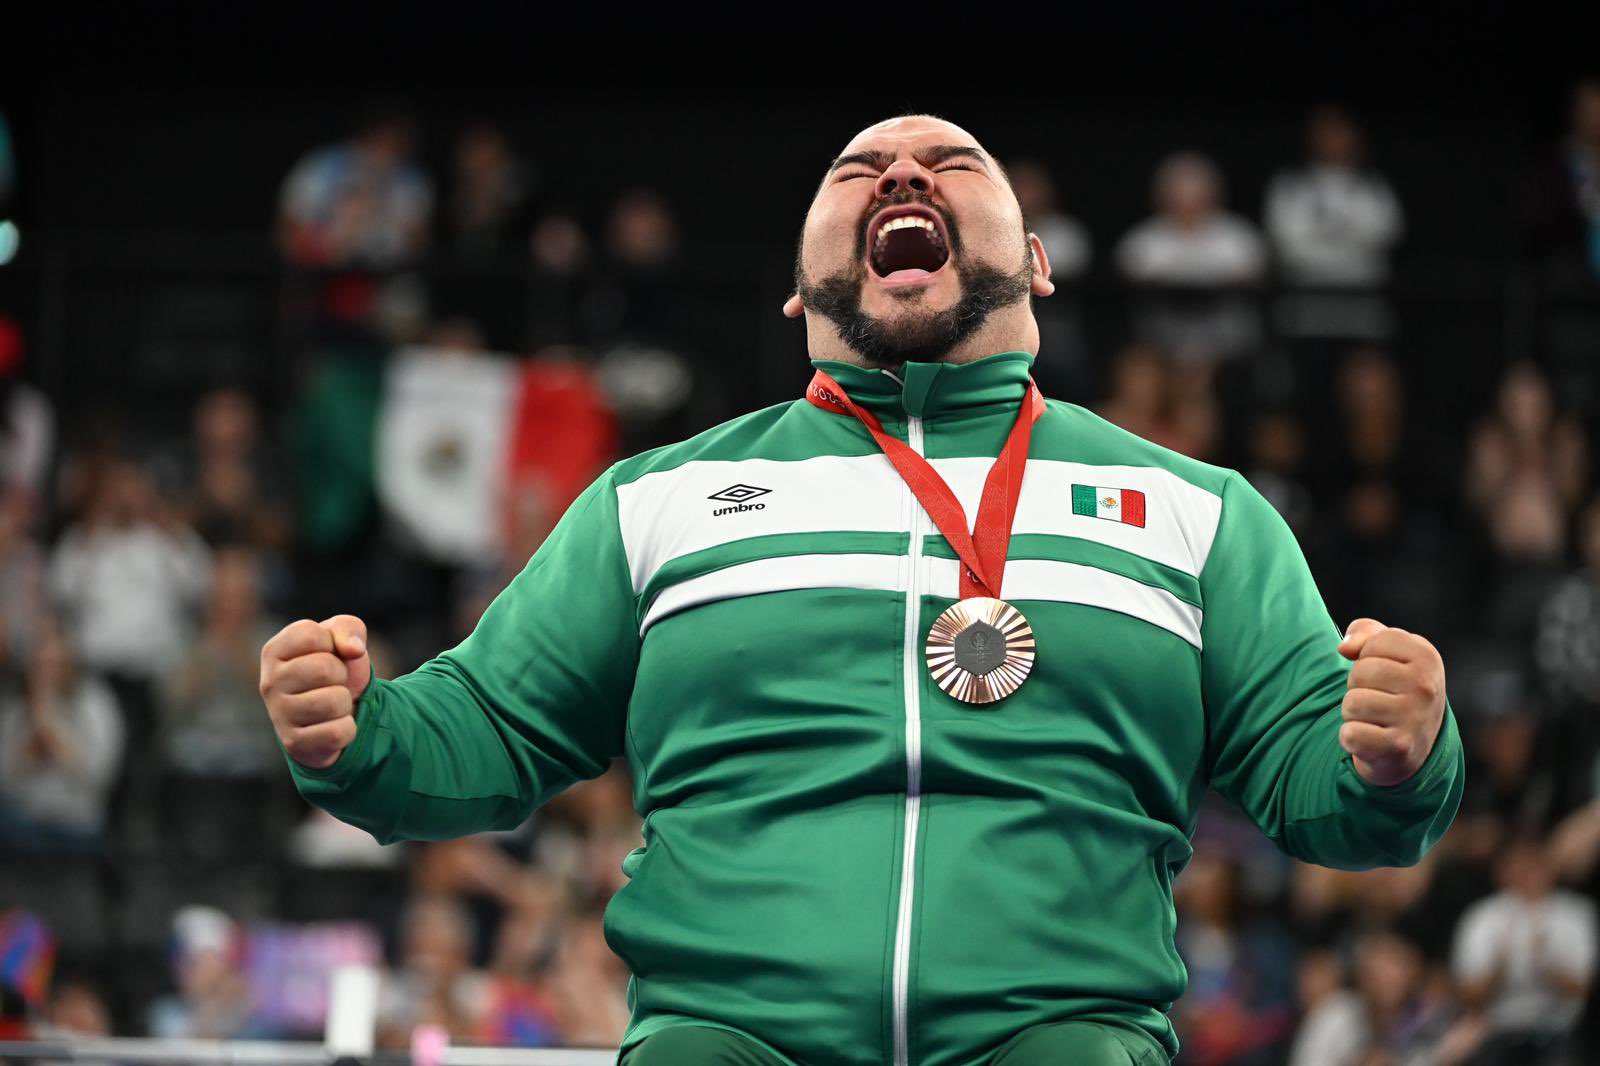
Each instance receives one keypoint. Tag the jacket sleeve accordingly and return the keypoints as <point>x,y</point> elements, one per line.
<point>1273,682</point>
<point>532,701</point>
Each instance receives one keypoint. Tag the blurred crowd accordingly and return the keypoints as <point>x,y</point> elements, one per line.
<point>158,873</point>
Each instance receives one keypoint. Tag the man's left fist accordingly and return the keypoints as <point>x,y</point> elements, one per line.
<point>1395,704</point>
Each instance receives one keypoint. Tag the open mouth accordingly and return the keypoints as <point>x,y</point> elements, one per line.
<point>907,244</point>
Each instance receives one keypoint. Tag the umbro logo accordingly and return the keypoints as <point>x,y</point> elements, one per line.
<point>738,495</point>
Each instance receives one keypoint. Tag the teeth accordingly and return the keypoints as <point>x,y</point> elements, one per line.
<point>903,222</point>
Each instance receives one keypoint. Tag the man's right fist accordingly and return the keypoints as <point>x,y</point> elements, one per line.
<point>312,673</point>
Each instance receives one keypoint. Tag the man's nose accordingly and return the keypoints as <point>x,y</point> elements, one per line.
<point>904,174</point>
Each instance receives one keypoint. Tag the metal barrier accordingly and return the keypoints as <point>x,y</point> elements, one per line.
<point>280,1053</point>
<point>348,1040</point>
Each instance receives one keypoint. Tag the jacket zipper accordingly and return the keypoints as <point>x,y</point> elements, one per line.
<point>913,687</point>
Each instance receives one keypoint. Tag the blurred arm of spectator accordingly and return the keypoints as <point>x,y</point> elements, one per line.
<point>1575,843</point>
<point>473,865</point>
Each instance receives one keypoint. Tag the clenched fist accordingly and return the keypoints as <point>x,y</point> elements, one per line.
<point>1395,703</point>
<point>312,673</point>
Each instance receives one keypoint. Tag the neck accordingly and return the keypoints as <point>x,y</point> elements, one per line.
<point>993,382</point>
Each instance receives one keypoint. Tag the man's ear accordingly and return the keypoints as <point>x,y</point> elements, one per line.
<point>1042,285</point>
<point>793,307</point>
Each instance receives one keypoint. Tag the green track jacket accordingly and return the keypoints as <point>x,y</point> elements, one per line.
<point>840,860</point>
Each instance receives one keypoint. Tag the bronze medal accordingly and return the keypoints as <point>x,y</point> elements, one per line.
<point>980,649</point>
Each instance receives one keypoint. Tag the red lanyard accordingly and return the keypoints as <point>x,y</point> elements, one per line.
<point>984,550</point>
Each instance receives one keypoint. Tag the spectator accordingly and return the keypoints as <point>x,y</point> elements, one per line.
<point>1525,956</point>
<point>1375,474</point>
<point>231,487</point>
<point>127,577</point>
<point>642,232</point>
<point>27,421</point>
<point>588,984</point>
<point>1333,221</point>
<point>213,1001</point>
<point>1391,1016</point>
<point>1191,240</point>
<point>22,568</point>
<point>364,202</point>
<point>1193,256</point>
<point>1238,1008</point>
<point>1567,645</point>
<point>1528,469</point>
<point>211,702</point>
<point>558,243</point>
<point>76,1010</point>
<point>61,737</point>
<point>1146,401</point>
<point>1065,366</point>
<point>589,831</point>
<point>488,213</point>
<point>1066,241</point>
<point>1277,451</point>
<point>436,983</point>
<point>1561,215</point>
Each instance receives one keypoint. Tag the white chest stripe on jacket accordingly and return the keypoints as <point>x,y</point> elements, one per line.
<point>665,514</point>
<point>1025,579</point>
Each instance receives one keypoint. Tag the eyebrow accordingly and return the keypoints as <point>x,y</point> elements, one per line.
<point>932,156</point>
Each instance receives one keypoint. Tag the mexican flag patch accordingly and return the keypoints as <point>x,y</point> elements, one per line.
<point>1115,505</point>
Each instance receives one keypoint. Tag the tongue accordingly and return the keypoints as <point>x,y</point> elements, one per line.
<point>908,274</point>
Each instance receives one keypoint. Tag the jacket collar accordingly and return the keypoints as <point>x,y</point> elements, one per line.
<point>928,390</point>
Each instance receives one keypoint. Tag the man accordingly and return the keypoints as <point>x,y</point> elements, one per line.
<point>877,831</point>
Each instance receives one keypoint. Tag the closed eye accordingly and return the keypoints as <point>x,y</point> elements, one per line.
<point>941,170</point>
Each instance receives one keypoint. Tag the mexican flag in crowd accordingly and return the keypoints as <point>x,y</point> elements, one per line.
<point>460,435</point>
<point>447,444</point>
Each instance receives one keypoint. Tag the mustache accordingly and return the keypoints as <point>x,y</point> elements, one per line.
<point>908,196</point>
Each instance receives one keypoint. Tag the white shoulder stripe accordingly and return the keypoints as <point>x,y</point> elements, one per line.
<point>1025,579</point>
<point>667,514</point>
<point>670,513</point>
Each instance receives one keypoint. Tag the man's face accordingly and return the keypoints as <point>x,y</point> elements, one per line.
<point>913,240</point>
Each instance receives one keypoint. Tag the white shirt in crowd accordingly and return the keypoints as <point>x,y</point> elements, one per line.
<point>70,795</point>
<point>1224,250</point>
<point>129,594</point>
<point>1332,225</point>
<point>1557,932</point>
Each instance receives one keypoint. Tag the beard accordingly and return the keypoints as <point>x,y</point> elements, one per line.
<point>914,333</point>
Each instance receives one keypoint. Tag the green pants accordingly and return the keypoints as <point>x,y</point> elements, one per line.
<point>1077,1043</point>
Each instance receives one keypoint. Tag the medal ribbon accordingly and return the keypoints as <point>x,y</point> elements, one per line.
<point>984,550</point>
